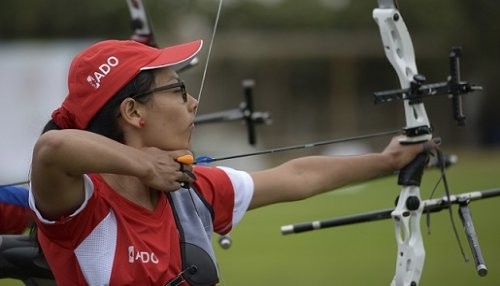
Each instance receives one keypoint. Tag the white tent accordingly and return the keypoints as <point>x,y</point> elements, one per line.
<point>32,83</point>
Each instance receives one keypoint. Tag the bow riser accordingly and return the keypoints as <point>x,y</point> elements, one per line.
<point>411,251</point>
<point>399,51</point>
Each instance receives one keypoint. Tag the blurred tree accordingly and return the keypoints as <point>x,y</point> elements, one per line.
<point>483,29</point>
<point>48,19</point>
<point>436,24</point>
<point>94,18</point>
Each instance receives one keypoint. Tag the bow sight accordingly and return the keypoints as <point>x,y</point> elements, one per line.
<point>454,87</point>
<point>244,112</point>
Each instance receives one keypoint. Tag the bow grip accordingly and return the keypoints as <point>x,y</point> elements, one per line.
<point>411,174</point>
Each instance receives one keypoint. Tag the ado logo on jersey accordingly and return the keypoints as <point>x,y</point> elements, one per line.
<point>141,256</point>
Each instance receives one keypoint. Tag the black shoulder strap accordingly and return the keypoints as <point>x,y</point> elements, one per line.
<point>21,259</point>
<point>194,219</point>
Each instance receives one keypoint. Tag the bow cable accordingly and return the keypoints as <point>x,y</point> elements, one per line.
<point>447,193</point>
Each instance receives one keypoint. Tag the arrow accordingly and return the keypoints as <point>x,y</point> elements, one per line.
<point>207,159</point>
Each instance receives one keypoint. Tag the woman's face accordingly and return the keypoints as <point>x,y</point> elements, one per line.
<point>169,120</point>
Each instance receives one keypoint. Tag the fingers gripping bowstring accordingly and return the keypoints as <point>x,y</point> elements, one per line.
<point>214,30</point>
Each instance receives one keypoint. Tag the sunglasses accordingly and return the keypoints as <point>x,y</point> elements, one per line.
<point>180,85</point>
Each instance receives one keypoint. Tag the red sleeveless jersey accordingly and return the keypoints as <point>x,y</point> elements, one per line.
<point>110,240</point>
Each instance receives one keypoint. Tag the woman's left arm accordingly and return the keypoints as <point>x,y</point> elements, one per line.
<point>305,177</point>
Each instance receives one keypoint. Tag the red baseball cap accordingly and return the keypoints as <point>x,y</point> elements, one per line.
<point>100,71</point>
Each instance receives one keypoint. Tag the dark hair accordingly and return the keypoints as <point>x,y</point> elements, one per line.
<point>105,121</point>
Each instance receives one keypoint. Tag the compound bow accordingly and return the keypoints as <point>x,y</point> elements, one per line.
<point>399,51</point>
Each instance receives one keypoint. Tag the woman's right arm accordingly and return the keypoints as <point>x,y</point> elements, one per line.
<point>61,157</point>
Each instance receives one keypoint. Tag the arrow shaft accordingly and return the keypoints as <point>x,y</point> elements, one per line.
<point>303,146</point>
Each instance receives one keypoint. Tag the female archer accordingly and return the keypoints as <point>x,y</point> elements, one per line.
<point>115,203</point>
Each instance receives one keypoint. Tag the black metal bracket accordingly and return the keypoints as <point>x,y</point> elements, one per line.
<point>244,112</point>
<point>454,87</point>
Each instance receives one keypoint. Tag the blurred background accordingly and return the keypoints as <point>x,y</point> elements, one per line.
<point>315,63</point>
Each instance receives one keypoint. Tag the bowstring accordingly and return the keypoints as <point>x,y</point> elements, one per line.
<point>202,84</point>
<point>214,30</point>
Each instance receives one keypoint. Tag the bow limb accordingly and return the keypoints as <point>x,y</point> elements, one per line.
<point>399,51</point>
<point>140,24</point>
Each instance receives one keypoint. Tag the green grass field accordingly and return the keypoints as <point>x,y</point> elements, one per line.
<point>364,254</point>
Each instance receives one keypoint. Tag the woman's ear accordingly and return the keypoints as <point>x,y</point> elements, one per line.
<point>132,112</point>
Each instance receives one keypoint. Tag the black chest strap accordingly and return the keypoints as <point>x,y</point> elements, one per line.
<point>194,220</point>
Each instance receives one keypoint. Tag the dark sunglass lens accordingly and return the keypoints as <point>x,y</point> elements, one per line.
<point>184,92</point>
